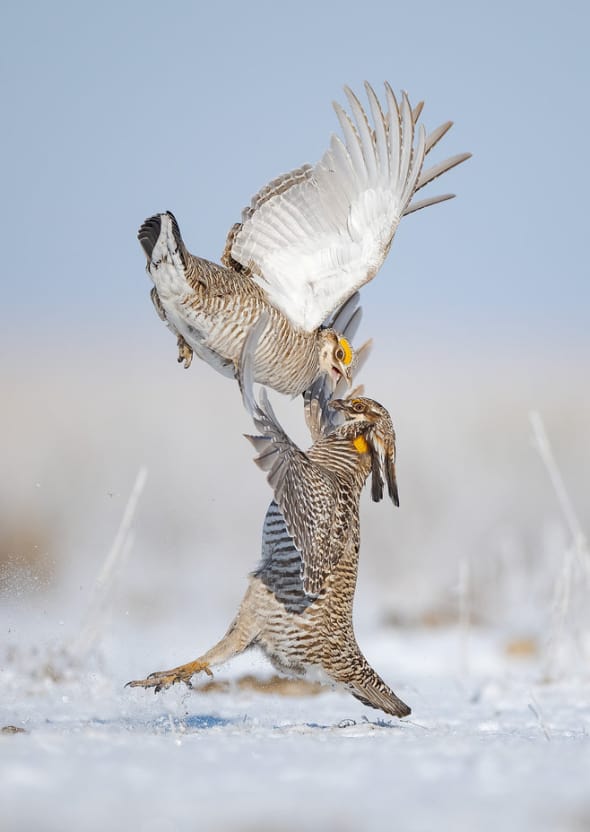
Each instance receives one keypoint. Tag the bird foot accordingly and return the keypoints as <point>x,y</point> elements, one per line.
<point>185,353</point>
<point>162,679</point>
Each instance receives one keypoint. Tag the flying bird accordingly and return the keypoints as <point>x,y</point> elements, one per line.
<point>298,604</point>
<point>307,242</point>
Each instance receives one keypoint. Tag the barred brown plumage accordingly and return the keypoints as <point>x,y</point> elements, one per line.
<point>279,312</point>
<point>307,242</point>
<point>211,309</point>
<point>298,604</point>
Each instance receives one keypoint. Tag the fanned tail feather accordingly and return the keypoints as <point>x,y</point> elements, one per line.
<point>165,251</point>
<point>161,231</point>
<point>148,234</point>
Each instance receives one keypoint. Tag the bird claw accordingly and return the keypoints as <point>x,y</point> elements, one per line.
<point>162,679</point>
<point>185,353</point>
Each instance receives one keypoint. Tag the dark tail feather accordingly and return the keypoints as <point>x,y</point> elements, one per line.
<point>150,231</point>
<point>148,234</point>
<point>378,695</point>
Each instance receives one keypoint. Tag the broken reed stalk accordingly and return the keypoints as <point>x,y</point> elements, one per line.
<point>464,588</point>
<point>99,602</point>
<point>543,446</point>
<point>577,551</point>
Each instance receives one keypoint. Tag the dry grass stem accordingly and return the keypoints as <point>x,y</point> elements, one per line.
<point>99,603</point>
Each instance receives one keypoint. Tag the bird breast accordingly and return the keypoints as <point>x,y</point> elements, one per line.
<point>220,311</point>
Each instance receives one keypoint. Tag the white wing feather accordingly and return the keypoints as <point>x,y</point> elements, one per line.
<point>314,243</point>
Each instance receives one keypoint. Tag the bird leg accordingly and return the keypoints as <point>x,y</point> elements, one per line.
<point>185,353</point>
<point>241,634</point>
<point>162,679</point>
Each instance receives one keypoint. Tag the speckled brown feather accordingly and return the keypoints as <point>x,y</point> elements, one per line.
<point>304,632</point>
<point>212,308</point>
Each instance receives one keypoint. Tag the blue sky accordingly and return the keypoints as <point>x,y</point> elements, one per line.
<point>112,112</point>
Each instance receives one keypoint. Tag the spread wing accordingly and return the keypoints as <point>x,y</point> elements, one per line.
<point>304,491</point>
<point>311,238</point>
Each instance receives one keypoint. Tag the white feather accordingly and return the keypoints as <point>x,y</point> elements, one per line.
<point>311,244</point>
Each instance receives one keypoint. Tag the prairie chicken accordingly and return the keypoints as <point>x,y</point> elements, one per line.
<point>298,604</point>
<point>307,242</point>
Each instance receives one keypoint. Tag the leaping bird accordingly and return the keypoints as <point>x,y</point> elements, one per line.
<point>307,242</point>
<point>298,604</point>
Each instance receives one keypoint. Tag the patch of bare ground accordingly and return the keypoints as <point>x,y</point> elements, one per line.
<point>275,685</point>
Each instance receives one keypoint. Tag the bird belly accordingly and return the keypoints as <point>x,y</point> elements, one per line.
<point>296,643</point>
<point>220,326</point>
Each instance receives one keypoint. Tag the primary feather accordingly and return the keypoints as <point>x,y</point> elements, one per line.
<point>310,239</point>
<point>307,242</point>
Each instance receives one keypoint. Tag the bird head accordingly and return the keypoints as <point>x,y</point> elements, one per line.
<point>335,357</point>
<point>374,434</point>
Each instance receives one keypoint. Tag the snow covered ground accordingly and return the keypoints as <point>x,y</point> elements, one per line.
<point>468,595</point>
<point>488,746</point>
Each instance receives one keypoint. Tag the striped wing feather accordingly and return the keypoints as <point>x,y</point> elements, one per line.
<point>305,493</point>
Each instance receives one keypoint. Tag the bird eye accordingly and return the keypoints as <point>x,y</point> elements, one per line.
<point>358,407</point>
<point>339,354</point>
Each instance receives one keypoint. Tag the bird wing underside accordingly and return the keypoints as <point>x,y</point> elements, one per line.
<point>280,567</point>
<point>312,237</point>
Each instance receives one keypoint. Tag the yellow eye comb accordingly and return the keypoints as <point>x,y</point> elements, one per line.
<point>347,350</point>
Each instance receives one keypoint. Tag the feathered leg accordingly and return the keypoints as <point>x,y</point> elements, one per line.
<point>241,634</point>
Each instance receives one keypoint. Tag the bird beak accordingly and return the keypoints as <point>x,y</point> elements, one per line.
<point>342,374</point>
<point>347,373</point>
<point>337,404</point>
